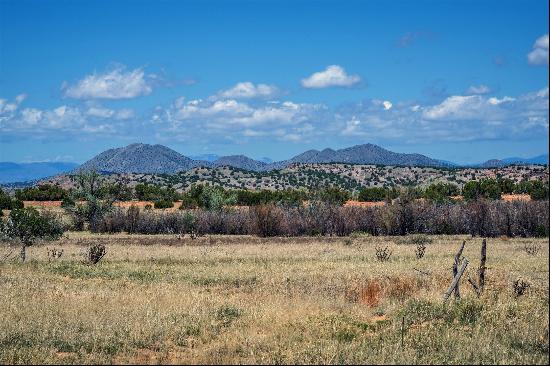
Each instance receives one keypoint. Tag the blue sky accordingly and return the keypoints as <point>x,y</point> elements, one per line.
<point>463,81</point>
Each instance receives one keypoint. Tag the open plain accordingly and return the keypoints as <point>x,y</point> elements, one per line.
<point>244,299</point>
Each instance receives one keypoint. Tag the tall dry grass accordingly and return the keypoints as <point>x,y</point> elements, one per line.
<point>218,299</point>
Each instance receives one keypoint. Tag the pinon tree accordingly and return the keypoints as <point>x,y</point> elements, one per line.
<point>28,225</point>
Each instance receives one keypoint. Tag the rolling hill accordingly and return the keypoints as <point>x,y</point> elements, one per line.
<point>141,158</point>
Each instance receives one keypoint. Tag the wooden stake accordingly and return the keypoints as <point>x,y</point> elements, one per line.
<point>456,279</point>
<point>455,268</point>
<point>474,285</point>
<point>482,266</point>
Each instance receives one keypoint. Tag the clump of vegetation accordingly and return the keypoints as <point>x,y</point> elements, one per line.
<point>95,253</point>
<point>485,188</point>
<point>536,189</point>
<point>43,192</point>
<point>532,248</point>
<point>441,192</point>
<point>227,314</point>
<point>332,195</point>
<point>163,204</point>
<point>267,220</point>
<point>9,203</point>
<point>383,253</point>
<point>520,287</point>
<point>420,250</point>
<point>28,225</point>
<point>373,194</point>
<point>54,253</point>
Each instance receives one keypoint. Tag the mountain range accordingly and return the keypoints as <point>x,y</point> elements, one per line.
<point>143,158</point>
<point>159,159</point>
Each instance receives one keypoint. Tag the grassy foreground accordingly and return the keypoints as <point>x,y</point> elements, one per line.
<point>159,299</point>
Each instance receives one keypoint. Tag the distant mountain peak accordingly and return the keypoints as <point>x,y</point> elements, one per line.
<point>141,158</point>
<point>240,161</point>
<point>365,154</point>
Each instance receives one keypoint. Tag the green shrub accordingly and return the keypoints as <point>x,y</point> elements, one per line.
<point>163,204</point>
<point>372,194</point>
<point>486,188</point>
<point>440,192</point>
<point>43,192</point>
<point>8,203</point>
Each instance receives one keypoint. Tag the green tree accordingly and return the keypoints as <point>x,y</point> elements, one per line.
<point>490,189</point>
<point>538,190</point>
<point>471,190</point>
<point>372,194</point>
<point>43,192</point>
<point>440,192</point>
<point>163,203</point>
<point>332,195</point>
<point>8,203</point>
<point>486,188</point>
<point>28,225</point>
<point>507,186</point>
<point>89,183</point>
<point>215,198</point>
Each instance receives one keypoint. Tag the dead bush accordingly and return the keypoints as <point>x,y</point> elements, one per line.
<point>54,254</point>
<point>383,254</point>
<point>420,250</point>
<point>95,253</point>
<point>267,220</point>
<point>532,248</point>
<point>520,287</point>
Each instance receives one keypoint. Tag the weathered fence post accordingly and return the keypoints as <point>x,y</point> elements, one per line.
<point>456,279</point>
<point>482,266</point>
<point>455,268</point>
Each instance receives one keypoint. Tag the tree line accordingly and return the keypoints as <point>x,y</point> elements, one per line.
<point>208,196</point>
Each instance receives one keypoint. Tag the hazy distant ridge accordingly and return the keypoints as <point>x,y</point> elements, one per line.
<point>159,159</point>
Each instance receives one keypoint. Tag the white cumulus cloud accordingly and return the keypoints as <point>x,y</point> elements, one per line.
<point>115,84</point>
<point>249,90</point>
<point>332,76</point>
<point>539,55</point>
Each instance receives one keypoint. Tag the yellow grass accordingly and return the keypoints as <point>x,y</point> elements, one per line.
<point>160,299</point>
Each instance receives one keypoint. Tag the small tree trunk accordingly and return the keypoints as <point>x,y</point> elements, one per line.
<point>482,266</point>
<point>23,252</point>
<point>455,268</point>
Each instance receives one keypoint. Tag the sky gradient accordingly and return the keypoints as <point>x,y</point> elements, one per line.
<point>462,81</point>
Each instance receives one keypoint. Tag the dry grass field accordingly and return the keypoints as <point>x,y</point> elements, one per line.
<point>218,299</point>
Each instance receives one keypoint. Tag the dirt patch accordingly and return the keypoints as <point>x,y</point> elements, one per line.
<point>128,204</point>
<point>373,291</point>
<point>42,203</point>
<point>352,203</point>
<point>515,197</point>
<point>368,294</point>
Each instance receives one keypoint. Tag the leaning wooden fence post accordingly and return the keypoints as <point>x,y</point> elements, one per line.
<point>455,280</point>
<point>455,268</point>
<point>482,266</point>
